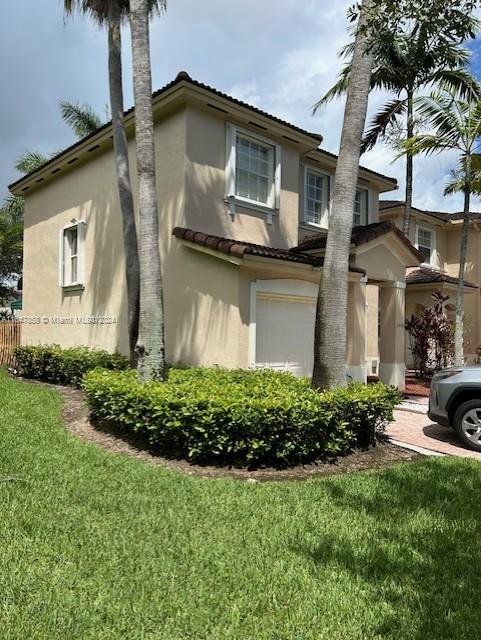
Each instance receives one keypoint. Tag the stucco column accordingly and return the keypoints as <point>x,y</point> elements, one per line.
<point>392,367</point>
<point>357,331</point>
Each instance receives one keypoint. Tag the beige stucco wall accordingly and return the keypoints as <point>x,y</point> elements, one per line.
<point>87,193</point>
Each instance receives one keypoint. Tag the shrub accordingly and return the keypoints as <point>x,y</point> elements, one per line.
<point>241,418</point>
<point>53,364</point>
<point>431,337</point>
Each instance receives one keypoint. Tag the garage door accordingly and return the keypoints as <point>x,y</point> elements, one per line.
<point>285,333</point>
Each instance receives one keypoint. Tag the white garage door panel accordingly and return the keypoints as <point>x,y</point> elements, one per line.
<point>285,334</point>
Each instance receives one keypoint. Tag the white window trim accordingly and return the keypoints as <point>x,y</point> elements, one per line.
<point>80,225</point>
<point>230,172</point>
<point>433,259</point>
<point>327,213</point>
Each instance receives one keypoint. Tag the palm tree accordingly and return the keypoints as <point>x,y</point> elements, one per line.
<point>82,119</point>
<point>13,207</point>
<point>112,14</point>
<point>408,62</point>
<point>456,126</point>
<point>151,341</point>
<point>330,328</point>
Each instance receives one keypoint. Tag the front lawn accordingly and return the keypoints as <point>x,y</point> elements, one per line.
<point>95,545</point>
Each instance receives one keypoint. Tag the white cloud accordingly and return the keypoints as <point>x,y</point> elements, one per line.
<point>248,92</point>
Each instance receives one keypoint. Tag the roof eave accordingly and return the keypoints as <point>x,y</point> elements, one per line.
<point>182,88</point>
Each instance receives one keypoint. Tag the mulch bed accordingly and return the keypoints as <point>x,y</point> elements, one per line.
<point>76,419</point>
<point>416,387</point>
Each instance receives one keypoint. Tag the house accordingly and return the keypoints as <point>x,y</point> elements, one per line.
<point>244,202</point>
<point>437,236</point>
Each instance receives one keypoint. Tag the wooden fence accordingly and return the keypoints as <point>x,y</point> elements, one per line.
<point>9,338</point>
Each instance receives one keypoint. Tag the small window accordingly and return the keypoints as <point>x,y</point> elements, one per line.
<point>360,208</point>
<point>253,169</point>
<point>71,255</point>
<point>425,244</point>
<point>316,198</point>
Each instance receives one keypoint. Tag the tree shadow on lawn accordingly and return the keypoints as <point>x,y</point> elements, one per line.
<point>417,549</point>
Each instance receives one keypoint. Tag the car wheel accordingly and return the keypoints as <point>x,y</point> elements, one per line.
<point>467,423</point>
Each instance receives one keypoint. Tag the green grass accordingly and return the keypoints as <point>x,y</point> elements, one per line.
<point>95,546</point>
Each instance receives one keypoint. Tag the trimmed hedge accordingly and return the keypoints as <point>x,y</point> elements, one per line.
<point>241,418</point>
<point>53,364</point>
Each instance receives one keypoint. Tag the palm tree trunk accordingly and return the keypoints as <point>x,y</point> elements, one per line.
<point>132,268</point>
<point>409,167</point>
<point>151,343</point>
<point>463,251</point>
<point>331,316</point>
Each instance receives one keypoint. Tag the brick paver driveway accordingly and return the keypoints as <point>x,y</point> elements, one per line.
<point>418,430</point>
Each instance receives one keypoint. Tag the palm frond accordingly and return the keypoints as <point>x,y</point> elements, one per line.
<point>98,10</point>
<point>428,144</point>
<point>454,185</point>
<point>459,82</point>
<point>30,161</point>
<point>457,181</point>
<point>386,117</point>
<point>81,118</point>
<point>337,90</point>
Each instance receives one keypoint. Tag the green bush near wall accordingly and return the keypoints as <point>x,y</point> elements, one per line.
<point>239,418</point>
<point>53,364</point>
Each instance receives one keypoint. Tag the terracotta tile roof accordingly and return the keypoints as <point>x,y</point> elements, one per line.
<point>239,248</point>
<point>183,76</point>
<point>361,235</point>
<point>425,275</point>
<point>445,216</point>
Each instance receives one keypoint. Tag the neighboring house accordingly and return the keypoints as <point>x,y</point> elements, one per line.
<point>244,202</point>
<point>437,236</point>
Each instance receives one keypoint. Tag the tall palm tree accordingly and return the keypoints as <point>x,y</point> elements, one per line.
<point>408,62</point>
<point>456,126</point>
<point>151,341</point>
<point>330,335</point>
<point>111,14</point>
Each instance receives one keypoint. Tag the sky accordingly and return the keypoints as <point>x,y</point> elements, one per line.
<point>280,55</point>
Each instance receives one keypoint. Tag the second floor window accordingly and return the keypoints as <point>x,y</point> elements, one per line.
<point>253,169</point>
<point>360,208</point>
<point>316,198</point>
<point>254,178</point>
<point>71,255</point>
<point>425,243</point>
